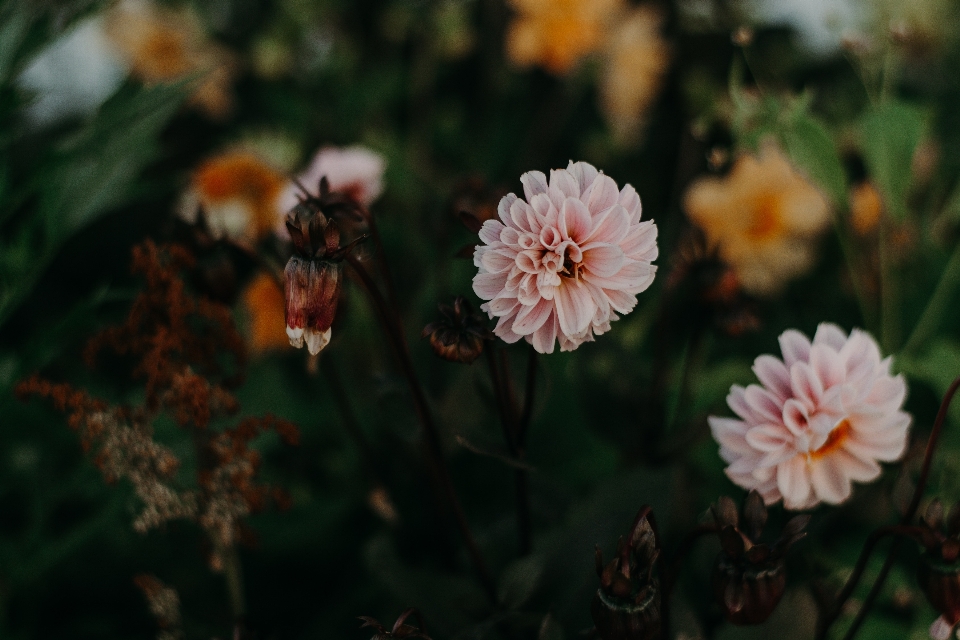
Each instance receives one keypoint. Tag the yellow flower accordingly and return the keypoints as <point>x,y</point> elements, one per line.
<point>763,216</point>
<point>264,304</point>
<point>556,34</point>
<point>162,45</point>
<point>238,194</point>
<point>866,207</point>
<point>637,59</point>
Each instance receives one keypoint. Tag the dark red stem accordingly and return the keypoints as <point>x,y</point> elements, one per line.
<point>432,441</point>
<point>907,518</point>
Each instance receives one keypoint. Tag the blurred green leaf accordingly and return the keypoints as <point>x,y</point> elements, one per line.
<point>811,147</point>
<point>889,135</point>
<point>90,172</point>
<point>519,581</point>
<point>550,629</point>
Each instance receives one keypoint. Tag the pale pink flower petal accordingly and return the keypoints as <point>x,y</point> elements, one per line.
<point>823,417</point>
<point>563,261</point>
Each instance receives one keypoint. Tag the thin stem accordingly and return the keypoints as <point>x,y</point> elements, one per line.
<point>889,294</point>
<point>432,441</point>
<point>908,516</point>
<point>670,577</point>
<point>529,397</point>
<point>937,306</point>
<point>849,257</point>
<point>514,434</point>
<point>233,574</point>
<point>350,423</point>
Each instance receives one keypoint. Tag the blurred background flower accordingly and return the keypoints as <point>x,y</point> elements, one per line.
<point>764,216</point>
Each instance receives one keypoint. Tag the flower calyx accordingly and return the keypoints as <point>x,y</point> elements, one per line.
<point>627,604</point>
<point>749,576</point>
<point>939,569</point>
<point>459,335</point>
<point>400,628</point>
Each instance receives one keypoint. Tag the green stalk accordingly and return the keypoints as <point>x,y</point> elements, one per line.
<point>936,308</point>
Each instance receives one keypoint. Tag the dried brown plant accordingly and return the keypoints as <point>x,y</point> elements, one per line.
<point>189,355</point>
<point>164,604</point>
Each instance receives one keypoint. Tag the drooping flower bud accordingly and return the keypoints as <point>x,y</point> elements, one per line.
<point>459,335</point>
<point>627,604</point>
<point>939,570</point>
<point>749,576</point>
<point>313,276</point>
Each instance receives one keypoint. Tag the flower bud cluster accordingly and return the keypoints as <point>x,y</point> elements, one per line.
<point>749,576</point>
<point>939,570</point>
<point>627,604</point>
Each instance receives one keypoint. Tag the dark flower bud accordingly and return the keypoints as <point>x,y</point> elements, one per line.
<point>749,576</point>
<point>460,333</point>
<point>939,570</point>
<point>627,604</point>
<point>314,274</point>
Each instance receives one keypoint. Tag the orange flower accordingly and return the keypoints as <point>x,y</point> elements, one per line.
<point>866,207</point>
<point>265,304</point>
<point>238,193</point>
<point>556,34</point>
<point>637,59</point>
<point>162,45</point>
<point>764,217</point>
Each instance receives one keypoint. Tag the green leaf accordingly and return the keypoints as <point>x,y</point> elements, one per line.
<point>811,147</point>
<point>550,629</point>
<point>519,581</point>
<point>889,135</point>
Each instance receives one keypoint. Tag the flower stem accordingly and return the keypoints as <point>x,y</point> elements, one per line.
<point>889,294</point>
<point>904,527</point>
<point>233,574</point>
<point>937,306</point>
<point>670,577</point>
<point>432,441</point>
<point>514,433</point>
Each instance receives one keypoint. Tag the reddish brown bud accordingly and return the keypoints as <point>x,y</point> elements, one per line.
<point>940,582</point>
<point>627,604</point>
<point>312,289</point>
<point>748,593</point>
<point>749,576</point>
<point>459,335</point>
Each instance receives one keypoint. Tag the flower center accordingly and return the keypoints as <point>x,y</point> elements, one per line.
<point>834,439</point>
<point>766,221</point>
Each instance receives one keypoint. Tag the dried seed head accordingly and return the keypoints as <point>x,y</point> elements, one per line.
<point>460,334</point>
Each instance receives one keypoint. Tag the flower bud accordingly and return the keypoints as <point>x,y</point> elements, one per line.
<point>749,576</point>
<point>940,582</point>
<point>627,604</point>
<point>459,335</point>
<point>312,290</point>
<point>313,275</point>
<point>939,570</point>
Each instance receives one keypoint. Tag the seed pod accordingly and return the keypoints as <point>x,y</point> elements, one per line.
<point>460,334</point>
<point>939,570</point>
<point>748,594</point>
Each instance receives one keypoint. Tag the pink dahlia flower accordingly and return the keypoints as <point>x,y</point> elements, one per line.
<point>821,417</point>
<point>560,264</point>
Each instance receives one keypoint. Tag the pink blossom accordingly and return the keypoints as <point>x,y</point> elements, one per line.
<point>563,262</point>
<point>821,417</point>
<point>356,171</point>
